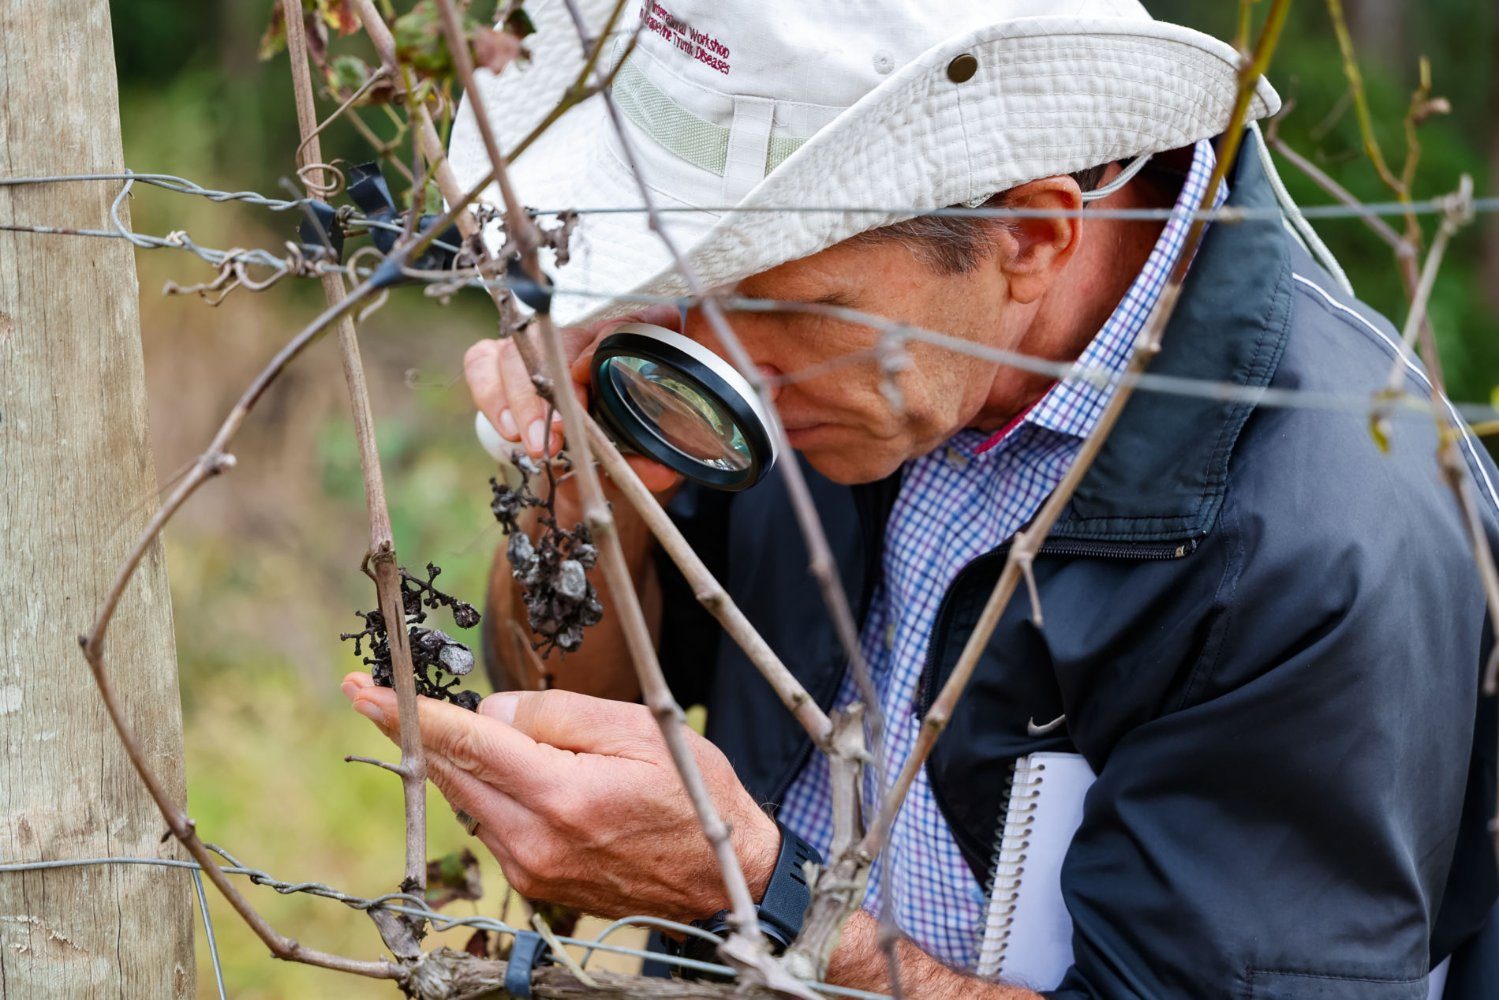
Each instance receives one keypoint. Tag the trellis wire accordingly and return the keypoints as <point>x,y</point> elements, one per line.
<point>1150,382</point>
<point>1172,385</point>
<point>1331,210</point>
<point>1269,396</point>
<point>415,906</point>
<point>179,185</point>
<point>213,943</point>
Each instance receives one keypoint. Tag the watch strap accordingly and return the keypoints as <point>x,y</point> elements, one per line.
<point>788,895</point>
<point>781,912</point>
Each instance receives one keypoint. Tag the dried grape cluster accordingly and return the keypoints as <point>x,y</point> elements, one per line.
<point>434,654</point>
<point>552,570</point>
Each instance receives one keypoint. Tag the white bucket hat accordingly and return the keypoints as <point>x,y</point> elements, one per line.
<point>896,105</point>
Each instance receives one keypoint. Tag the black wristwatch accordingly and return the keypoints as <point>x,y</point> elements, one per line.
<point>781,911</point>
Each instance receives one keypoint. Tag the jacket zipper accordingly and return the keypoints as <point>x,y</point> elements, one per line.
<point>1057,547</point>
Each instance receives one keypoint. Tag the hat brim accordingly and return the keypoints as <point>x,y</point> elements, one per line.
<point>1063,94</point>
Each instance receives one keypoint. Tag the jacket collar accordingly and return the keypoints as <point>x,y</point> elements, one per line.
<point>1161,475</point>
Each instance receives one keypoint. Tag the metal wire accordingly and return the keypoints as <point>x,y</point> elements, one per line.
<point>1172,385</point>
<point>1334,210</point>
<point>181,241</point>
<point>1147,381</point>
<point>170,182</point>
<point>213,944</point>
<point>644,921</point>
<point>1351,403</point>
<point>417,907</point>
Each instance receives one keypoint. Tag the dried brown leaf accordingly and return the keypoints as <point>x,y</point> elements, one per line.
<point>273,40</point>
<point>494,50</point>
<point>478,944</point>
<point>453,876</point>
<point>339,15</point>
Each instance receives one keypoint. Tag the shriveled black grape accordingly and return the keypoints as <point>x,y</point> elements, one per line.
<point>551,570</point>
<point>438,660</point>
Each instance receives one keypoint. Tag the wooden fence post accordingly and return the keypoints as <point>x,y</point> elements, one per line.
<point>76,485</point>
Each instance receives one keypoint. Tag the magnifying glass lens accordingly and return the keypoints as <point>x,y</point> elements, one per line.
<point>681,415</point>
<point>665,396</point>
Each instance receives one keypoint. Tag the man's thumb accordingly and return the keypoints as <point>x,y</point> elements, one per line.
<point>501,706</point>
<point>577,722</point>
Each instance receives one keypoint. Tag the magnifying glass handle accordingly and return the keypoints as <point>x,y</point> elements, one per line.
<point>500,450</point>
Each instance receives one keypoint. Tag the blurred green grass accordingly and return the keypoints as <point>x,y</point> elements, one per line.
<point>264,562</point>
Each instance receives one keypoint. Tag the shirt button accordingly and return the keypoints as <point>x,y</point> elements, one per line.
<point>956,459</point>
<point>890,636</point>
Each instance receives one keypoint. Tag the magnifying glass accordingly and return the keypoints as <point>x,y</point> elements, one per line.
<point>665,396</point>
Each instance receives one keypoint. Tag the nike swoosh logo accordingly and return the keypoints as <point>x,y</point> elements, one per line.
<point>1031,729</point>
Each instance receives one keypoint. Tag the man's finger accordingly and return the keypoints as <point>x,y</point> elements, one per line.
<point>577,722</point>
<point>654,476</point>
<point>492,752</point>
<point>481,369</point>
<point>496,812</point>
<point>527,409</point>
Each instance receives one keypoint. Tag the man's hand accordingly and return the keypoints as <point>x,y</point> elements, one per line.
<point>503,391</point>
<point>579,800</point>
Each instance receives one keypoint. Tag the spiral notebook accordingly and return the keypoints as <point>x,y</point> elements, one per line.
<point>1027,930</point>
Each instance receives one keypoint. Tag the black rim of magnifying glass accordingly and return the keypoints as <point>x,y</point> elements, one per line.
<point>620,417</point>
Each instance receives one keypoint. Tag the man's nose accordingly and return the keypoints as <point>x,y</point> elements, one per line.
<point>698,328</point>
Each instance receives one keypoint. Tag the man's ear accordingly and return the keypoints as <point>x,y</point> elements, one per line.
<point>1040,247</point>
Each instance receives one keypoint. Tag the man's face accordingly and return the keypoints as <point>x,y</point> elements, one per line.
<point>837,415</point>
<point>1030,293</point>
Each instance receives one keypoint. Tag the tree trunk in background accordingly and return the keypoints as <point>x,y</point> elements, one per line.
<point>76,485</point>
<point>1378,28</point>
<point>1489,264</point>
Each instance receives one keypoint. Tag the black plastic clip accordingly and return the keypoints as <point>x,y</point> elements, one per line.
<point>371,195</point>
<point>537,296</point>
<point>370,192</point>
<point>527,951</point>
<point>321,232</point>
<point>435,257</point>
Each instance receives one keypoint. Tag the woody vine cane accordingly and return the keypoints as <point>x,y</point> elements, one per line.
<point>838,889</point>
<point>744,947</point>
<point>382,551</point>
<point>216,460</point>
<point>1028,541</point>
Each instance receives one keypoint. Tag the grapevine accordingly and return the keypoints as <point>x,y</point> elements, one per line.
<point>434,654</point>
<point>552,570</point>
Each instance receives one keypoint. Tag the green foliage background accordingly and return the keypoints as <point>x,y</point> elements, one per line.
<point>264,563</point>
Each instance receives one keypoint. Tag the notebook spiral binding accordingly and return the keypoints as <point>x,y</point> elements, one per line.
<point>1012,841</point>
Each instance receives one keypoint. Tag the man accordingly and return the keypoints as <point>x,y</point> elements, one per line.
<point>1261,634</point>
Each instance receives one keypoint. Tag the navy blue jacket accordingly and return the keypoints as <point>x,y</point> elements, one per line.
<point>1266,636</point>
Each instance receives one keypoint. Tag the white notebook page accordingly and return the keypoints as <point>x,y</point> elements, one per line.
<point>1027,931</point>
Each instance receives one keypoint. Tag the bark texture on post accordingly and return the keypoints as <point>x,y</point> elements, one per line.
<point>76,486</point>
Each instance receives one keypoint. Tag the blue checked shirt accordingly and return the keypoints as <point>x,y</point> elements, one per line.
<point>956,503</point>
